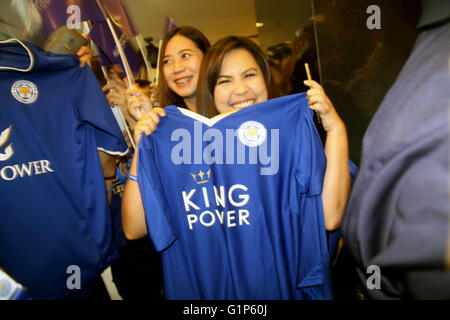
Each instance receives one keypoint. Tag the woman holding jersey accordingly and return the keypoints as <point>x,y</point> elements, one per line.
<point>236,74</point>
<point>182,50</point>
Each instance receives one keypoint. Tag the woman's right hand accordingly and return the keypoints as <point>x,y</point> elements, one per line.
<point>138,102</point>
<point>147,123</point>
<point>115,91</point>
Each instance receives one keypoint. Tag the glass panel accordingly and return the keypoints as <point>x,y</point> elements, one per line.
<point>359,64</point>
<point>287,36</point>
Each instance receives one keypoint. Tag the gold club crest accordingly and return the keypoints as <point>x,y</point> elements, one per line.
<point>25,91</point>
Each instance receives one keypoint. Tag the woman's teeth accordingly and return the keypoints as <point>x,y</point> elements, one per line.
<point>243,104</point>
<point>183,80</point>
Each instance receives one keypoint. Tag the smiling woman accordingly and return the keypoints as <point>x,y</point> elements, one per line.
<point>182,53</point>
<point>234,74</point>
<point>181,64</point>
<point>239,84</point>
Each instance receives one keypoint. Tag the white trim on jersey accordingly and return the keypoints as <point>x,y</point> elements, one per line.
<point>30,54</point>
<point>202,119</point>
<point>113,153</point>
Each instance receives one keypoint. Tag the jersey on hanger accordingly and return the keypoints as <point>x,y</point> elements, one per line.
<point>54,212</point>
<point>234,202</point>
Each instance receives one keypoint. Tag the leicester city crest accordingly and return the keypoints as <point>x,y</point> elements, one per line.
<point>25,91</point>
<point>252,133</point>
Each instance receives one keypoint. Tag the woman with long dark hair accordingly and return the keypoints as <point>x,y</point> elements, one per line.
<point>181,55</point>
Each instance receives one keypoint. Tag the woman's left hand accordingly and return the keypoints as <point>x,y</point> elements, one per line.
<point>318,101</point>
<point>85,53</point>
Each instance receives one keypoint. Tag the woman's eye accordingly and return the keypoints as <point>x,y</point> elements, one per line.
<point>185,55</point>
<point>249,75</point>
<point>222,81</point>
<point>166,61</point>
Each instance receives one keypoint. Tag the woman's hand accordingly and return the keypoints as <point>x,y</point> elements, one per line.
<point>154,94</point>
<point>115,91</point>
<point>147,123</point>
<point>336,184</point>
<point>85,53</point>
<point>138,102</point>
<point>318,101</point>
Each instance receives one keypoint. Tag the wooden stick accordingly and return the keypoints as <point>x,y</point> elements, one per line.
<point>308,74</point>
<point>157,62</point>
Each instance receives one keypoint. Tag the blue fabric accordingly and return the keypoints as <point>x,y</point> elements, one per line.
<point>118,187</point>
<point>264,239</point>
<point>397,217</point>
<point>54,211</point>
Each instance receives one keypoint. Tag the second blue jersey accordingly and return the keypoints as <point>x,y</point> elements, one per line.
<point>234,203</point>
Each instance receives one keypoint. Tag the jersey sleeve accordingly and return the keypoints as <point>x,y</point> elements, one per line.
<point>313,275</point>
<point>159,226</point>
<point>311,160</point>
<point>91,107</point>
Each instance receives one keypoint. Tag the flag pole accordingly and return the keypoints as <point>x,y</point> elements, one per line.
<point>157,62</point>
<point>119,46</point>
<point>141,48</point>
<point>119,117</point>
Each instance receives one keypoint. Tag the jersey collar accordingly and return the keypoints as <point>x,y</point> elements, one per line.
<point>204,120</point>
<point>30,54</point>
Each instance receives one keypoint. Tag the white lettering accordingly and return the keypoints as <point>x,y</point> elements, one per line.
<point>183,148</point>
<point>374,281</point>
<point>192,218</point>
<point>24,168</point>
<point>374,20</point>
<point>45,165</point>
<point>220,200</point>
<point>37,168</point>
<point>273,160</point>
<point>213,152</point>
<point>215,147</point>
<point>219,215</point>
<point>187,200</point>
<point>198,153</point>
<point>73,21</point>
<point>74,281</point>
<point>202,221</point>
<point>207,218</point>
<point>205,197</point>
<point>243,217</point>
<point>231,217</point>
<point>5,176</point>
<point>244,197</point>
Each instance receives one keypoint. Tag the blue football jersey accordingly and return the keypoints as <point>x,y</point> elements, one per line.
<point>234,202</point>
<point>54,212</point>
<point>118,186</point>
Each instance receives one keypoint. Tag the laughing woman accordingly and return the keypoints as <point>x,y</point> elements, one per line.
<point>182,50</point>
<point>236,74</point>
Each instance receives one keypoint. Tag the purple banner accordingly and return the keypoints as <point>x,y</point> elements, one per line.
<point>109,54</point>
<point>170,24</point>
<point>55,12</point>
<point>117,11</point>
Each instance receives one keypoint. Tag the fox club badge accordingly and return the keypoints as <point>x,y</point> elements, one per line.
<point>25,91</point>
<point>252,133</point>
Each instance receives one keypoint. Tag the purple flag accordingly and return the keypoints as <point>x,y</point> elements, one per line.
<point>170,24</point>
<point>109,54</point>
<point>117,11</point>
<point>54,12</point>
